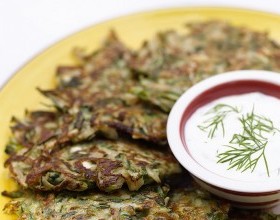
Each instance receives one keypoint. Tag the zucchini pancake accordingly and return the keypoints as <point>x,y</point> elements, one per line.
<point>106,164</point>
<point>101,152</point>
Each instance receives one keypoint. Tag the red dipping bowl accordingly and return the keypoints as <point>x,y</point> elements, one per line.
<point>262,193</point>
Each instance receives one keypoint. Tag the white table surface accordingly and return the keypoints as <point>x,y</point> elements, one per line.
<point>27,27</point>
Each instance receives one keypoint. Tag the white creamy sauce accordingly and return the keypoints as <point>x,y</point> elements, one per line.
<point>205,149</point>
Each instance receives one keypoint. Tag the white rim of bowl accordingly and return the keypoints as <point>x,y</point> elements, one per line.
<point>179,151</point>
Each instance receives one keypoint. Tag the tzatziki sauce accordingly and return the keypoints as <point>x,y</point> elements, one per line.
<point>237,137</point>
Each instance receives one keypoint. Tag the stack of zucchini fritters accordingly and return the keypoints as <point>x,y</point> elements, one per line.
<point>102,152</point>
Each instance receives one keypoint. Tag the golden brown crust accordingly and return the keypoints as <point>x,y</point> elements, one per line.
<point>103,163</point>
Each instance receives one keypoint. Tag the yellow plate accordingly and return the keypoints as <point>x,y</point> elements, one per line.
<point>20,92</point>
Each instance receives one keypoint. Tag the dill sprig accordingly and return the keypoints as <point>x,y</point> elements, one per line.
<point>217,115</point>
<point>246,149</point>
